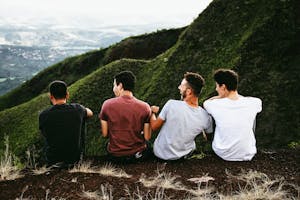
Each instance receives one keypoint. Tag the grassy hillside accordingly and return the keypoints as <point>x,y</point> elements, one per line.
<point>259,39</point>
<point>20,123</point>
<point>145,46</point>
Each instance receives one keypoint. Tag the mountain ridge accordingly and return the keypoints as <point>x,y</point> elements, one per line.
<point>239,35</point>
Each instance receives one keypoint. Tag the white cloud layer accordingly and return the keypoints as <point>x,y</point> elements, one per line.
<point>104,12</point>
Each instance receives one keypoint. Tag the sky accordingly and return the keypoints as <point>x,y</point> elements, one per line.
<point>172,13</point>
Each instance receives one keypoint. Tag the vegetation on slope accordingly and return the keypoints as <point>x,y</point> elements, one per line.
<point>70,70</point>
<point>237,34</point>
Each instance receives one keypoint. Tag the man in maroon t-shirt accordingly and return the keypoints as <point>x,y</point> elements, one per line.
<point>125,120</point>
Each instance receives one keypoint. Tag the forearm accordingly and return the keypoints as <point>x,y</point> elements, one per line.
<point>104,128</point>
<point>155,123</point>
<point>147,131</point>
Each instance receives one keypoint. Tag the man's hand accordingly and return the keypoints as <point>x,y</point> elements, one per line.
<point>154,109</point>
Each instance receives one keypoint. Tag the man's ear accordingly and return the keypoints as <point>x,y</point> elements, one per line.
<point>52,98</point>
<point>120,86</point>
<point>67,95</point>
<point>224,87</point>
<point>190,91</point>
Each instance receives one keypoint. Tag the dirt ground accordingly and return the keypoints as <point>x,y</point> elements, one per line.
<point>282,165</point>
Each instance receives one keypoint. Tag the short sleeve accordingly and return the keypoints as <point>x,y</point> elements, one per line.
<point>164,111</point>
<point>84,111</point>
<point>259,105</point>
<point>206,106</point>
<point>148,114</point>
<point>103,113</point>
<point>209,125</point>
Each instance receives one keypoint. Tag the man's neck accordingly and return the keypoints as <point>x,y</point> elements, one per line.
<point>126,93</point>
<point>59,101</point>
<point>233,95</point>
<point>192,101</point>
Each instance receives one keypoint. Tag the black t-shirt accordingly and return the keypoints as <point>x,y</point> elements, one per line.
<point>62,127</point>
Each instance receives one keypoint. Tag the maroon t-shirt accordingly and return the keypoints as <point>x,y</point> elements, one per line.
<point>125,117</point>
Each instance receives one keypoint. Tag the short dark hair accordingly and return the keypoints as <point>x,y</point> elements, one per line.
<point>127,78</point>
<point>195,81</point>
<point>58,89</point>
<point>228,77</point>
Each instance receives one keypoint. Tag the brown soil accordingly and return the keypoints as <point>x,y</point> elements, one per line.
<point>60,183</point>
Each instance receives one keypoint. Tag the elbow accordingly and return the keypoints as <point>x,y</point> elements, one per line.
<point>104,135</point>
<point>153,127</point>
<point>147,137</point>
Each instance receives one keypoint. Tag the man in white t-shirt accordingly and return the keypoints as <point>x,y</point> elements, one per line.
<point>180,121</point>
<point>234,116</point>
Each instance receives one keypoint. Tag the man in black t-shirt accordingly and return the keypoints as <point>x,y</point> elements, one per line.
<point>62,125</point>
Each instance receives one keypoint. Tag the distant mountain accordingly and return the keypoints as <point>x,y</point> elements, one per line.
<point>146,46</point>
<point>27,49</point>
<point>257,38</point>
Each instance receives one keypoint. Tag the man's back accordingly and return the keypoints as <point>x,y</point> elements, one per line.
<point>62,126</point>
<point>234,138</point>
<point>125,116</point>
<point>182,124</point>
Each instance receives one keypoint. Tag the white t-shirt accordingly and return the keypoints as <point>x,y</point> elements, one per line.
<point>234,138</point>
<point>182,123</point>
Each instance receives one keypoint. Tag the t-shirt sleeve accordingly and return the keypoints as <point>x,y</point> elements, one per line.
<point>164,111</point>
<point>83,111</point>
<point>206,106</point>
<point>103,113</point>
<point>209,125</point>
<point>148,114</point>
<point>259,105</point>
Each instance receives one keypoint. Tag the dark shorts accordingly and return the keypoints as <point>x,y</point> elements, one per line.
<point>138,156</point>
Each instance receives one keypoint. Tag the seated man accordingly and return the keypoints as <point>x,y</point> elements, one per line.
<point>235,118</point>
<point>62,125</point>
<point>180,121</point>
<point>125,120</point>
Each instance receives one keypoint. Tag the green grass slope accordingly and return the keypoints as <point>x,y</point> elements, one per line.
<point>20,123</point>
<point>259,39</point>
<point>145,46</point>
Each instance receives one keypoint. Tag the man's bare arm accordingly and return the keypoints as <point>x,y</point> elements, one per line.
<point>89,112</point>
<point>147,131</point>
<point>104,128</point>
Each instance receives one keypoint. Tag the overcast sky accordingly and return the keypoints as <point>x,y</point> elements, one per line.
<point>109,12</point>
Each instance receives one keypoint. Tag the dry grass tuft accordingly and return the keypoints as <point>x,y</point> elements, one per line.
<point>106,170</point>
<point>41,170</point>
<point>104,194</point>
<point>110,170</point>
<point>8,168</point>
<point>203,193</point>
<point>83,167</point>
<point>159,194</point>
<point>162,180</point>
<point>258,186</point>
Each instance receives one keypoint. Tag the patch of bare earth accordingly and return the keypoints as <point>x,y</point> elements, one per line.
<point>276,174</point>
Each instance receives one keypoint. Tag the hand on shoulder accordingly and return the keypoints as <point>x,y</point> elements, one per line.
<point>154,109</point>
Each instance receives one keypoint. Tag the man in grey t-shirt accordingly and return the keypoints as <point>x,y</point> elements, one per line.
<point>180,121</point>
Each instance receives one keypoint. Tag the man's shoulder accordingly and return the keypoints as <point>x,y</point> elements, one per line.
<point>45,111</point>
<point>175,102</point>
<point>141,102</point>
<point>210,101</point>
<point>253,99</point>
<point>111,101</point>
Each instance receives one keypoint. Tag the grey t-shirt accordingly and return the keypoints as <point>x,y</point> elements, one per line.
<point>182,123</point>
